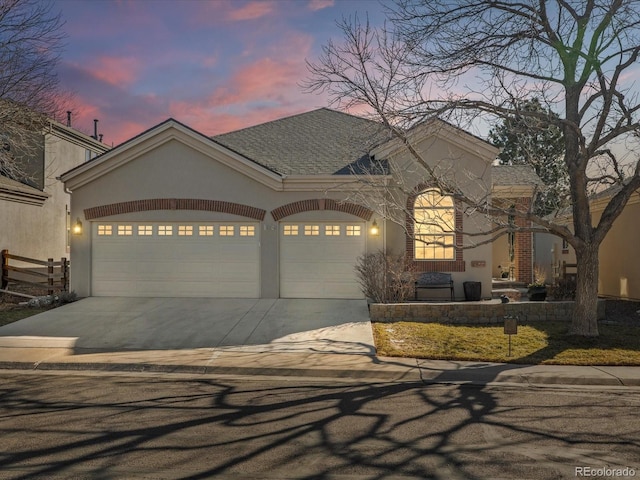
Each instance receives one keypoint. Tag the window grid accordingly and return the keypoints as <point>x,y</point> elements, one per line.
<point>165,230</point>
<point>434,226</point>
<point>226,230</point>
<point>105,230</point>
<point>145,230</point>
<point>247,230</point>
<point>125,230</point>
<point>312,230</point>
<point>353,230</point>
<point>185,230</point>
<point>332,230</point>
<point>290,230</point>
<point>205,230</point>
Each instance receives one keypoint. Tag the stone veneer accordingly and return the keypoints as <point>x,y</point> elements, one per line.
<point>492,311</point>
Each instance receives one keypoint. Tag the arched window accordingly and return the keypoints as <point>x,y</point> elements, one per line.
<point>434,226</point>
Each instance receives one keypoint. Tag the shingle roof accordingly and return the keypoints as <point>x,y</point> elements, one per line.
<point>322,141</point>
<point>514,175</point>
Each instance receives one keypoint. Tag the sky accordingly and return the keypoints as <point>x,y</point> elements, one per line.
<point>215,65</point>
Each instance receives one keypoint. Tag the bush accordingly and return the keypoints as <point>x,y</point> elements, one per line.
<point>56,300</point>
<point>563,289</point>
<point>385,278</point>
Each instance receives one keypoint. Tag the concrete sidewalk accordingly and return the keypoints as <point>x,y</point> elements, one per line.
<point>310,365</point>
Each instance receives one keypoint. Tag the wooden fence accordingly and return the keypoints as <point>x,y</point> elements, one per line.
<point>54,279</point>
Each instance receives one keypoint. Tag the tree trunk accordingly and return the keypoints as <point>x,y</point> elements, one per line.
<point>585,315</point>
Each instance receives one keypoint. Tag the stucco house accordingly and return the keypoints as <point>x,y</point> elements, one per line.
<point>619,267</point>
<point>270,211</point>
<point>35,213</point>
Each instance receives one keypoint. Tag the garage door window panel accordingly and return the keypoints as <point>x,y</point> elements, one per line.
<point>185,230</point>
<point>353,230</point>
<point>205,230</point>
<point>312,230</point>
<point>145,230</point>
<point>247,231</point>
<point>105,230</point>
<point>226,230</point>
<point>290,230</point>
<point>332,230</point>
<point>125,230</point>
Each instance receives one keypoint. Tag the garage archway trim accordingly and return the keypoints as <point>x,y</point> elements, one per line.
<point>146,205</point>
<point>321,204</point>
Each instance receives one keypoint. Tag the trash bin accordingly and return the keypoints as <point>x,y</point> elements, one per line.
<point>472,291</point>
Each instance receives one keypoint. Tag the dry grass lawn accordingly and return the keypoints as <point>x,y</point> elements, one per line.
<point>13,314</point>
<point>546,343</point>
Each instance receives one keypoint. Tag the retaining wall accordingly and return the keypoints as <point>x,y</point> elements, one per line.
<point>475,312</point>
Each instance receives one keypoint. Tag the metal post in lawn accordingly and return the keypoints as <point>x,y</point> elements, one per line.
<point>510,328</point>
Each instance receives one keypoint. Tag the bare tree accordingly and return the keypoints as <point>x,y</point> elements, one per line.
<point>474,62</point>
<point>31,40</point>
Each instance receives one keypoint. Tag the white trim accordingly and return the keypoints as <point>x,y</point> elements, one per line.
<point>340,183</point>
<point>13,191</point>
<point>75,137</point>
<point>439,129</point>
<point>157,137</point>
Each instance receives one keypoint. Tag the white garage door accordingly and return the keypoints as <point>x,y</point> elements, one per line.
<point>317,259</point>
<point>175,259</point>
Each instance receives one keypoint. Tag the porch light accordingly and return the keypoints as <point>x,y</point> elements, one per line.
<point>77,227</point>
<point>374,229</point>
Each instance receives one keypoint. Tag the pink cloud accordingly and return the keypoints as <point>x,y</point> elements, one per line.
<point>251,11</point>
<point>264,79</point>
<point>117,71</point>
<point>270,78</point>
<point>214,120</point>
<point>316,5</point>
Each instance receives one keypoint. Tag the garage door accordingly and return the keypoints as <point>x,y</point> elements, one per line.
<point>317,259</point>
<point>175,259</point>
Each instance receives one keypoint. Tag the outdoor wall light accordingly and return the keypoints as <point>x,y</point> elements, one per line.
<point>77,227</point>
<point>375,231</point>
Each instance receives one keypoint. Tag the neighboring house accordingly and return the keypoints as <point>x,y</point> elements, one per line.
<point>619,263</point>
<point>35,212</point>
<point>268,211</point>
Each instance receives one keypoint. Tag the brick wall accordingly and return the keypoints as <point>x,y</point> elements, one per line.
<point>523,244</point>
<point>174,204</point>
<point>321,204</point>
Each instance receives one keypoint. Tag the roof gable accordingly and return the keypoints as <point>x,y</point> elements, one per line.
<point>443,130</point>
<point>169,130</point>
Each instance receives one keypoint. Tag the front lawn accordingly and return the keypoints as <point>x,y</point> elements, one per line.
<point>546,343</point>
<point>14,313</point>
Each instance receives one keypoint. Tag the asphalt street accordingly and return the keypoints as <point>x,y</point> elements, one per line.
<point>114,425</point>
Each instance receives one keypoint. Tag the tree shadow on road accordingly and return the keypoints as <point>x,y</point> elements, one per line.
<point>152,427</point>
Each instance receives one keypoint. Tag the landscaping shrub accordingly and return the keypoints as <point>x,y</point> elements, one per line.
<point>563,289</point>
<point>385,277</point>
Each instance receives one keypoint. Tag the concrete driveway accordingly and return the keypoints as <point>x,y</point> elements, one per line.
<point>256,325</point>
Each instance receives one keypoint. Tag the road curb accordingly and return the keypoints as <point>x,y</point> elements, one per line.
<point>208,370</point>
<point>407,375</point>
